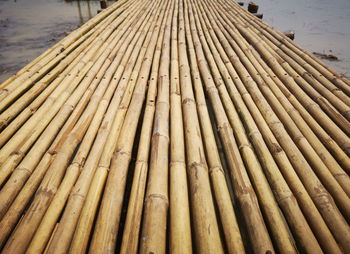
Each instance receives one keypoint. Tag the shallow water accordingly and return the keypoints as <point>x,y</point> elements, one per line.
<point>28,27</point>
<point>321,26</point>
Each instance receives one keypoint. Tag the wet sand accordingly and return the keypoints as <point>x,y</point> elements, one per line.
<point>28,27</point>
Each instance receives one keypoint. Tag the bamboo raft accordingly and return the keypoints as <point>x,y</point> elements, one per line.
<point>175,126</point>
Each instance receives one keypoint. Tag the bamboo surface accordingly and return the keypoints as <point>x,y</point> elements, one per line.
<point>175,126</point>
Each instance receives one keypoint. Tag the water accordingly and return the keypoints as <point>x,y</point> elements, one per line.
<point>28,27</point>
<point>321,26</point>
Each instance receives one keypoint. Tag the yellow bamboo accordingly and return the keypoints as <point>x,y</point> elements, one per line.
<point>180,223</point>
<point>104,237</point>
<point>153,236</point>
<point>242,141</point>
<point>52,179</point>
<point>200,193</point>
<point>320,149</point>
<point>49,220</point>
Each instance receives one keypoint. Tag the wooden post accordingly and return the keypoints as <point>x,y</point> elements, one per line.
<point>103,4</point>
<point>253,7</point>
<point>259,15</point>
<point>290,34</point>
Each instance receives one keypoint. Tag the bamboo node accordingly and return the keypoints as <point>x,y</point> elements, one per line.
<point>157,196</point>
<point>212,170</point>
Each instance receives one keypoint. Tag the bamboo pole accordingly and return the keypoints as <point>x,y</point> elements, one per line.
<point>40,66</point>
<point>315,111</point>
<point>91,162</point>
<point>319,148</point>
<point>222,196</point>
<point>52,179</point>
<point>180,222</point>
<point>45,83</point>
<point>329,218</point>
<point>200,193</point>
<point>340,81</point>
<point>48,112</point>
<point>258,129</point>
<point>90,206</point>
<point>132,226</point>
<point>153,235</point>
<point>281,232</point>
<point>291,213</point>
<point>104,237</point>
<point>263,151</point>
<point>322,135</point>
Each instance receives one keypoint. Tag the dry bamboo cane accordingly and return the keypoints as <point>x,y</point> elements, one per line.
<point>43,109</point>
<point>281,190</point>
<point>323,153</point>
<point>335,131</point>
<point>333,76</point>
<point>45,141</point>
<point>201,200</point>
<point>84,226</point>
<point>309,209</point>
<point>12,216</point>
<point>49,112</point>
<point>12,161</point>
<point>105,233</point>
<point>64,66</point>
<point>292,49</point>
<point>22,172</point>
<point>96,187</point>
<point>33,106</point>
<point>154,225</point>
<point>331,214</point>
<point>49,76</point>
<point>269,205</point>
<point>62,44</point>
<point>180,222</point>
<point>49,60</point>
<point>11,112</point>
<point>49,220</point>
<point>310,74</point>
<point>222,196</point>
<point>18,235</point>
<point>325,87</point>
<point>50,180</point>
<point>328,108</point>
<point>77,194</point>
<point>282,93</point>
<point>131,231</point>
<point>294,215</point>
<point>322,171</point>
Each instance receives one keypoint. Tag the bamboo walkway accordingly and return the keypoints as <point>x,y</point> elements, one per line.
<point>175,126</point>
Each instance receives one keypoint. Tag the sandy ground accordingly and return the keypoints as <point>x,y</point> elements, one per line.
<point>28,27</point>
